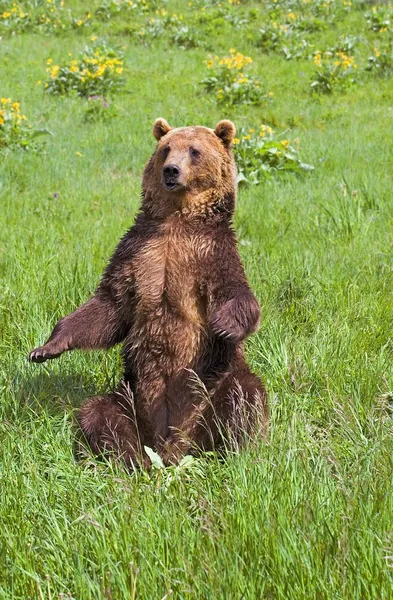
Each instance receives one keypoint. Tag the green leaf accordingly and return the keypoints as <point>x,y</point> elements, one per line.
<point>38,132</point>
<point>186,461</point>
<point>156,460</point>
<point>306,167</point>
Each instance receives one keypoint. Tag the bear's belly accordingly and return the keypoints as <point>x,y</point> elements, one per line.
<point>162,345</point>
<point>170,316</point>
<point>166,338</point>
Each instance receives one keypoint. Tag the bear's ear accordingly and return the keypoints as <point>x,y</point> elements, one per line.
<point>160,128</point>
<point>226,131</point>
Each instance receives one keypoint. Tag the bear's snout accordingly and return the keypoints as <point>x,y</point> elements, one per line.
<point>171,174</point>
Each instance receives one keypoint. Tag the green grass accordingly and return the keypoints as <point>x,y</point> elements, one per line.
<point>306,515</point>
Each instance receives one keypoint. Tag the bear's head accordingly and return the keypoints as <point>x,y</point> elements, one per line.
<point>192,171</point>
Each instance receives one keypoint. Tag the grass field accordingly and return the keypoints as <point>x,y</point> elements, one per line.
<point>307,515</point>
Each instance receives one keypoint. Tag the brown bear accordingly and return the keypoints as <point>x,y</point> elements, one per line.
<point>176,294</point>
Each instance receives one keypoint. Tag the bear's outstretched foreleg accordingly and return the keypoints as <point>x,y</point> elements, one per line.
<point>96,324</point>
<point>109,426</point>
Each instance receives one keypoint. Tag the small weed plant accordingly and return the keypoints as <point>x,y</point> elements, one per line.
<point>208,4</point>
<point>381,61</point>
<point>262,155</point>
<point>288,24</point>
<point>156,27</point>
<point>231,84</point>
<point>345,44</point>
<point>98,72</point>
<point>109,9</point>
<point>14,19</point>
<point>41,16</point>
<point>282,39</point>
<point>98,109</point>
<point>185,35</point>
<point>335,72</point>
<point>380,18</point>
<point>15,131</point>
<point>272,36</point>
<point>322,12</point>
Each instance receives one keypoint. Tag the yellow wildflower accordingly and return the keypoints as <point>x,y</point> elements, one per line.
<point>236,141</point>
<point>78,154</point>
<point>265,130</point>
<point>234,61</point>
<point>54,71</point>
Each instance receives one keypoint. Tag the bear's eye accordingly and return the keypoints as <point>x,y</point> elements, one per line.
<point>165,151</point>
<point>194,152</point>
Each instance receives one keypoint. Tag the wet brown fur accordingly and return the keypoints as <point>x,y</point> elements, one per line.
<point>176,294</point>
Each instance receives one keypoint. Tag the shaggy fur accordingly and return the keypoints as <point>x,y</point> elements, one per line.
<point>176,294</point>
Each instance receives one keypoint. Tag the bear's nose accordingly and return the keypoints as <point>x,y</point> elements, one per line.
<point>171,171</point>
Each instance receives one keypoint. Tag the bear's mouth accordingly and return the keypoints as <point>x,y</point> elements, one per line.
<point>173,186</point>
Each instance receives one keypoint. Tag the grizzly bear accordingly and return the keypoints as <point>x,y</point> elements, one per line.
<point>176,294</point>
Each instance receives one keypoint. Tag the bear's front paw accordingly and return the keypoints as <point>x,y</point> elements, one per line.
<point>174,450</point>
<point>237,318</point>
<point>225,324</point>
<point>44,353</point>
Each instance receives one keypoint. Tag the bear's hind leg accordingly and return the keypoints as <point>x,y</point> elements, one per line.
<point>241,407</point>
<point>234,411</point>
<point>237,411</point>
<point>109,425</point>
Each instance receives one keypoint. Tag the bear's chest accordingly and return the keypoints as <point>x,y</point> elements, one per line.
<point>166,273</point>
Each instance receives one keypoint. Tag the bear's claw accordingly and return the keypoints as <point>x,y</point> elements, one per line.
<point>40,355</point>
<point>37,356</point>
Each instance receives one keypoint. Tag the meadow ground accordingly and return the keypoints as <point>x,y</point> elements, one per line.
<point>309,513</point>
